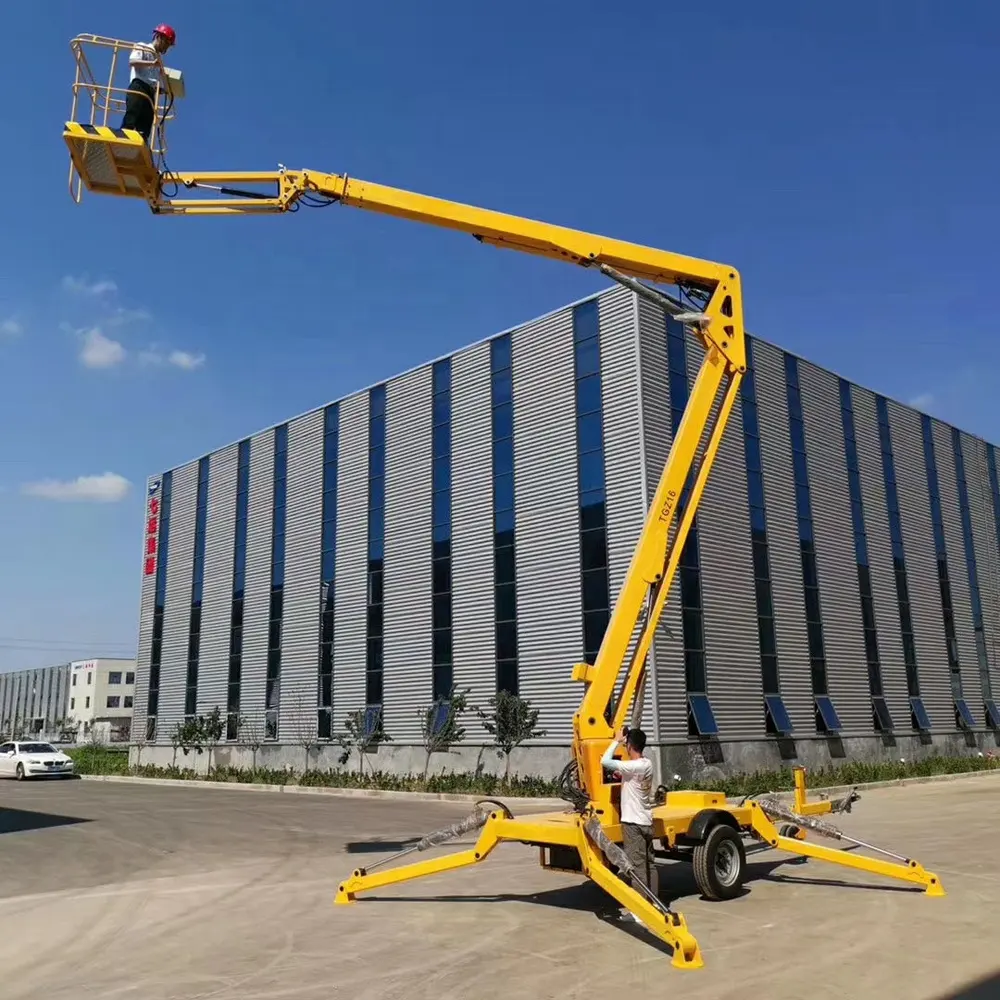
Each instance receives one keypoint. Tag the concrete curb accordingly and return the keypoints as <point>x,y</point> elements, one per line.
<point>377,793</point>
<point>347,793</point>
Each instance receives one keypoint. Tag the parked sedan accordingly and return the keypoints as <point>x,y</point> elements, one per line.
<point>31,760</point>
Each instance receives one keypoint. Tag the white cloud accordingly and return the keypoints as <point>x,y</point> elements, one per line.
<point>186,360</point>
<point>922,402</point>
<point>99,351</point>
<point>122,316</point>
<point>108,487</point>
<point>84,286</point>
<point>11,328</point>
<point>150,356</point>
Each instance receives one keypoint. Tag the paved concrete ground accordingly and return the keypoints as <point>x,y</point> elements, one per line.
<point>119,891</point>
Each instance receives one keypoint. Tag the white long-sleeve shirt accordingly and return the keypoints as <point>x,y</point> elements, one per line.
<point>637,786</point>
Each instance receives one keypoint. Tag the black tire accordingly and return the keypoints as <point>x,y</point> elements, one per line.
<point>19,772</point>
<point>720,863</point>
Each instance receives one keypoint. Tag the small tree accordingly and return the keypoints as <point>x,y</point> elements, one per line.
<point>177,738</point>
<point>362,732</point>
<point>212,727</point>
<point>140,743</point>
<point>190,736</point>
<point>305,729</point>
<point>511,721</point>
<point>250,734</point>
<point>441,725</point>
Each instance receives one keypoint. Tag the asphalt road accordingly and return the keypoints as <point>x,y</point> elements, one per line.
<point>124,891</point>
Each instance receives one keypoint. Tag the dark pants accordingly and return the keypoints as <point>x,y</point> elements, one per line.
<point>637,842</point>
<point>139,112</point>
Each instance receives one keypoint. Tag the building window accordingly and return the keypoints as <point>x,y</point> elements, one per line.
<point>272,694</point>
<point>114,701</point>
<point>700,717</point>
<point>919,719</point>
<point>239,585</point>
<point>826,715</point>
<point>87,703</point>
<point>441,533</point>
<point>114,677</point>
<point>992,715</point>
<point>590,476</point>
<point>963,717</point>
<point>504,563</point>
<point>197,586</point>
<point>90,677</point>
<point>130,677</point>
<point>776,718</point>
<point>880,710</point>
<point>127,701</point>
<point>159,601</point>
<point>376,545</point>
<point>328,574</point>
<point>72,704</point>
<point>74,680</point>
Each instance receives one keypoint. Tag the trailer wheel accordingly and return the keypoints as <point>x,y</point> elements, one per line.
<point>720,863</point>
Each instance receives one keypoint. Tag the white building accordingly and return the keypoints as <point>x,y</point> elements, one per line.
<point>100,698</point>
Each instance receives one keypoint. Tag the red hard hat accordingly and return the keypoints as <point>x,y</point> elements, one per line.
<point>168,33</point>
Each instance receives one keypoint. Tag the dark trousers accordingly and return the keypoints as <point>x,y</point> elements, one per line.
<point>139,112</point>
<point>637,842</point>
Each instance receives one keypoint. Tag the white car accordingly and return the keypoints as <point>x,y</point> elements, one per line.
<point>31,759</point>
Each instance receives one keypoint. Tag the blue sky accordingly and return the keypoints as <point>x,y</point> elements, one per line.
<point>842,156</point>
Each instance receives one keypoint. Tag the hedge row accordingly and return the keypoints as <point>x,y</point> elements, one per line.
<point>98,760</point>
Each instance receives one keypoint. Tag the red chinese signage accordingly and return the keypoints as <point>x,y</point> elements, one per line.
<point>152,526</point>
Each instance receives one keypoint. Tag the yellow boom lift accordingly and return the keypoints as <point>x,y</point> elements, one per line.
<point>701,827</point>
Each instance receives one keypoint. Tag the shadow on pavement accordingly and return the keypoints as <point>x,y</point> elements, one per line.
<point>21,820</point>
<point>984,989</point>
<point>379,846</point>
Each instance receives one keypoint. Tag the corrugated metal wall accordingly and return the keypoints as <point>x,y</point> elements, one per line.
<point>783,537</point>
<point>257,588</point>
<point>217,593</point>
<point>407,622</point>
<point>732,644</point>
<point>303,531</point>
<point>546,504</point>
<point>177,607</point>
<point>921,565</point>
<point>636,424</point>
<point>958,568</point>
<point>623,447</point>
<point>987,555</point>
<point>472,573</point>
<point>840,596</point>
<point>352,559</point>
<point>884,596</point>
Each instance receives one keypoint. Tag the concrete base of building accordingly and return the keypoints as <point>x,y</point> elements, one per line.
<point>704,762</point>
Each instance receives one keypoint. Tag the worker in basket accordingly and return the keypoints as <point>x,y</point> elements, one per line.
<point>144,74</point>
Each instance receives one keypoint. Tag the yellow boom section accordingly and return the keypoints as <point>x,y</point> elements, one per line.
<point>612,682</point>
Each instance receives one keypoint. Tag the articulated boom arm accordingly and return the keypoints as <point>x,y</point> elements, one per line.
<point>719,326</point>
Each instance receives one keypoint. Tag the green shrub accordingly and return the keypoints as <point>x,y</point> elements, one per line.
<point>103,760</point>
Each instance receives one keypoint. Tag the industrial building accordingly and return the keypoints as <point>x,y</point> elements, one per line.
<point>33,702</point>
<point>100,698</point>
<point>470,522</point>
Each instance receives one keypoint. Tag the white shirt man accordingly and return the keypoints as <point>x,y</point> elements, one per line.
<point>636,773</point>
<point>144,74</point>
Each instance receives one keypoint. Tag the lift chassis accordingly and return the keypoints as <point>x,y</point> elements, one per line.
<point>700,826</point>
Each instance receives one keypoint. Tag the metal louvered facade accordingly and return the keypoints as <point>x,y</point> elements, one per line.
<point>34,704</point>
<point>483,554</point>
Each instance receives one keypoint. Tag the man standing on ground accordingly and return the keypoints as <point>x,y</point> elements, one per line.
<point>140,105</point>
<point>636,773</point>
